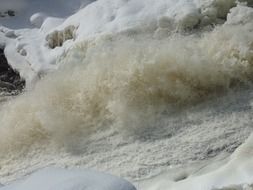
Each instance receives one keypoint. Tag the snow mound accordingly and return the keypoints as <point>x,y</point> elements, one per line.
<point>37,19</point>
<point>54,178</point>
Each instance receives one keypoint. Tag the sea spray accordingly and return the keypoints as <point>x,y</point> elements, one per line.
<point>126,83</point>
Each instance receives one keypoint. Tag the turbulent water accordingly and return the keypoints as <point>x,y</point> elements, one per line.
<point>127,103</point>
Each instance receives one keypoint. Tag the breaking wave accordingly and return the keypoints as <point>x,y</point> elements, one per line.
<point>126,83</point>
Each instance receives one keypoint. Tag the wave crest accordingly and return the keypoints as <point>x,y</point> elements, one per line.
<point>124,82</point>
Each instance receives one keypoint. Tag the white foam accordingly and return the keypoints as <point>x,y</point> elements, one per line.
<point>236,174</point>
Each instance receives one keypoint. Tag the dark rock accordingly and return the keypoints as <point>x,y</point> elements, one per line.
<point>8,13</point>
<point>11,13</point>
<point>10,80</point>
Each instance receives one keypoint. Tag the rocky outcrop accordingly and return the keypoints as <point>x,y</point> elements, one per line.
<point>8,13</point>
<point>10,80</point>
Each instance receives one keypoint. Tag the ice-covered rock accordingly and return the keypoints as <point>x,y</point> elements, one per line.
<point>62,179</point>
<point>37,19</point>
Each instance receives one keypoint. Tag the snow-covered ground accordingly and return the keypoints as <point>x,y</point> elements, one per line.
<point>158,92</point>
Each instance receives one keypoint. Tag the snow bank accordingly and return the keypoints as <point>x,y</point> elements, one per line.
<point>26,49</point>
<point>53,178</point>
